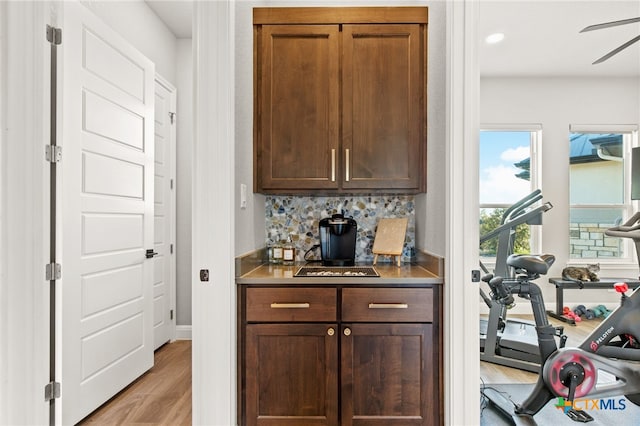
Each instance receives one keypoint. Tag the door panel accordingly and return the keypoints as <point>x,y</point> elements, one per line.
<point>299,108</point>
<point>106,208</point>
<point>164,212</point>
<point>382,103</point>
<point>109,176</point>
<point>292,376</point>
<point>104,290</point>
<point>387,375</point>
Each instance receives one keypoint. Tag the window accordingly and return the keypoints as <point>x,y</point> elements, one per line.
<point>599,192</point>
<point>508,173</point>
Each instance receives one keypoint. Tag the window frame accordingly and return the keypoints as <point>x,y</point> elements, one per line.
<point>629,206</point>
<point>535,179</point>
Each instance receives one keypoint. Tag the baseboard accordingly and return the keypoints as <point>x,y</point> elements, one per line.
<point>183,332</point>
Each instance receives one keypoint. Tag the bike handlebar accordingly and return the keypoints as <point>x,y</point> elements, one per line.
<point>521,204</point>
<point>522,218</point>
<point>630,229</point>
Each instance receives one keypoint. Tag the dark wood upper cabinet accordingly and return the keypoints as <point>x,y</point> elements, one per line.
<point>340,101</point>
<point>298,107</point>
<point>381,100</point>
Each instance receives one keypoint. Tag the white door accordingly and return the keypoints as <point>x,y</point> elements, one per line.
<point>164,201</point>
<point>106,315</point>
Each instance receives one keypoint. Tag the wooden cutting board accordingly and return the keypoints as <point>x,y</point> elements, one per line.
<point>389,238</point>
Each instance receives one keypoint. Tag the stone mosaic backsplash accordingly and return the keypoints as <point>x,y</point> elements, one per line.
<point>299,217</point>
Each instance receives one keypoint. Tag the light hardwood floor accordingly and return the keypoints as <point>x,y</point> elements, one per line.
<point>161,396</point>
<point>494,373</point>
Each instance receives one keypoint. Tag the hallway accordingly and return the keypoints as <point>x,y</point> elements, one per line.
<point>162,396</point>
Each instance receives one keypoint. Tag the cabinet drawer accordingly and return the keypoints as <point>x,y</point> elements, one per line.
<point>387,305</point>
<point>291,304</point>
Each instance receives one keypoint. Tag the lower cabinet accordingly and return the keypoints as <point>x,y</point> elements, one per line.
<point>292,374</point>
<point>339,356</point>
<point>383,381</point>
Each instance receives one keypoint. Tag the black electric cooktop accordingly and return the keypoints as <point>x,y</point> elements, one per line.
<point>337,271</point>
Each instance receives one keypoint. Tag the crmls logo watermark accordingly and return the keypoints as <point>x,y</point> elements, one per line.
<point>591,404</point>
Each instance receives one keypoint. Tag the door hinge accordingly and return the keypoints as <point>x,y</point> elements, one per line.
<point>53,153</point>
<point>53,271</point>
<point>54,35</point>
<point>171,248</point>
<point>172,115</point>
<point>170,183</point>
<point>171,314</point>
<point>51,391</point>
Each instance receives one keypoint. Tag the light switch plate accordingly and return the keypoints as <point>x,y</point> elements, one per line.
<point>243,196</point>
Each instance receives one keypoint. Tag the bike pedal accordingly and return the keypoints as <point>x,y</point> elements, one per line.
<point>579,416</point>
<point>563,341</point>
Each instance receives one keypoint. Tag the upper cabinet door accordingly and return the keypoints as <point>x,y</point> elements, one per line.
<point>383,86</point>
<point>340,100</point>
<point>297,82</point>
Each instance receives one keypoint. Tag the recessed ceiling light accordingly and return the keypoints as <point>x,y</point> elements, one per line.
<point>494,38</point>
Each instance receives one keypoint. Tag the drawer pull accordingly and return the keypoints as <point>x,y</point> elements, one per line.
<point>290,306</point>
<point>388,305</point>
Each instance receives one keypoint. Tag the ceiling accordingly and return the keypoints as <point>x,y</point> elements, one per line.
<point>176,14</point>
<point>542,37</point>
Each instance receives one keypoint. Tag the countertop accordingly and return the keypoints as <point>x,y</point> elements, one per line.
<point>389,274</point>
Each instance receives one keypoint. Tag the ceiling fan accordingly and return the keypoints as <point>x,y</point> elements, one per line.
<point>613,24</point>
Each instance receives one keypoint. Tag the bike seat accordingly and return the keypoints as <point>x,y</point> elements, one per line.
<point>537,264</point>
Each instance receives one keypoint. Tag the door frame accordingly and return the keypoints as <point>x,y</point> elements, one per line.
<point>213,296</point>
<point>461,308</point>
<point>173,223</point>
<point>24,221</point>
<point>213,239</point>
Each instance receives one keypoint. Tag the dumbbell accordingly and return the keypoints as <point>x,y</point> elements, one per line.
<point>570,314</point>
<point>581,310</point>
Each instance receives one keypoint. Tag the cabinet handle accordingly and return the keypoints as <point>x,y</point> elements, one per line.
<point>346,162</point>
<point>290,305</point>
<point>347,331</point>
<point>388,305</point>
<point>331,332</point>
<point>333,165</point>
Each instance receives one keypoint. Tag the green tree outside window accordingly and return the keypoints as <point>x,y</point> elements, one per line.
<point>490,221</point>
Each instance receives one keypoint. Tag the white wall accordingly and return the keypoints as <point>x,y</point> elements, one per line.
<point>430,214</point>
<point>431,223</point>
<point>555,103</point>
<point>141,27</point>
<point>250,222</point>
<point>184,84</point>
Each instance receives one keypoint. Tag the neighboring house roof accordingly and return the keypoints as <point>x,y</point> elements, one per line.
<point>583,149</point>
<point>525,165</point>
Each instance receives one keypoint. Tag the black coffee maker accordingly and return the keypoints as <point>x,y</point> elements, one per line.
<point>338,240</point>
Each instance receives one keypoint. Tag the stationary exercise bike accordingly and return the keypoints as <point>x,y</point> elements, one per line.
<point>611,350</point>
<point>508,341</point>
